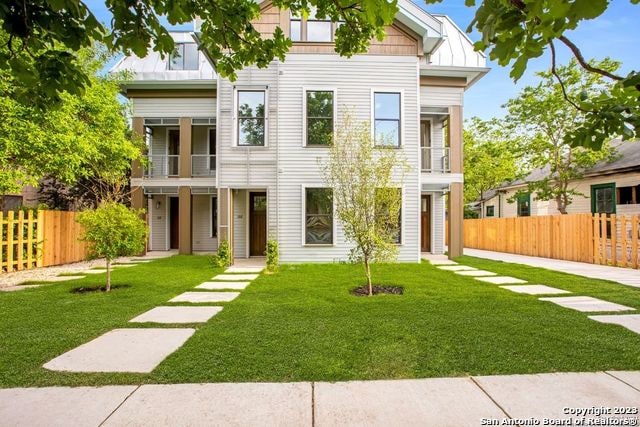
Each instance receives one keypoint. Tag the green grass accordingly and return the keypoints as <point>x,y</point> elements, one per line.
<point>302,324</point>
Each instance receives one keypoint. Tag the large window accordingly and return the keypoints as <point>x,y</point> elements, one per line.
<point>603,198</point>
<point>251,117</point>
<point>386,115</point>
<point>393,226</point>
<point>185,57</point>
<point>319,117</point>
<point>524,204</point>
<point>311,29</point>
<point>214,216</point>
<point>318,227</point>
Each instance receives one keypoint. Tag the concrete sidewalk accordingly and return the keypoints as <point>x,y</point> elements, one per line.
<point>625,276</point>
<point>464,401</point>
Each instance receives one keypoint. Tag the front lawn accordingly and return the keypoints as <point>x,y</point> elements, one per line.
<point>302,324</point>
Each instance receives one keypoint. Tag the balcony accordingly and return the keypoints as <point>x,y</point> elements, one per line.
<point>203,165</point>
<point>435,160</point>
<point>162,165</point>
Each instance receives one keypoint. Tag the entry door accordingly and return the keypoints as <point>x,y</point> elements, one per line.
<point>174,221</point>
<point>257,223</point>
<point>425,218</point>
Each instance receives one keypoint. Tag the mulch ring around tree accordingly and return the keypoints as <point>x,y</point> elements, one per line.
<point>97,288</point>
<point>363,291</point>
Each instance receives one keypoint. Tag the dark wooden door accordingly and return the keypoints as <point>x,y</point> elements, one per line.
<point>425,218</point>
<point>174,221</point>
<point>257,223</point>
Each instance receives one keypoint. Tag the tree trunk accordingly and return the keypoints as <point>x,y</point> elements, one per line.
<point>108,275</point>
<point>561,205</point>
<point>367,270</point>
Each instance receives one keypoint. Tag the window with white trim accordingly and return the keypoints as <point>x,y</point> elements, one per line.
<point>318,227</point>
<point>185,57</point>
<point>311,28</point>
<point>251,115</point>
<point>319,117</point>
<point>386,118</point>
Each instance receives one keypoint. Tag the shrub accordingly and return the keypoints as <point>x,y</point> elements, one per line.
<point>222,259</point>
<point>273,255</point>
<point>113,230</point>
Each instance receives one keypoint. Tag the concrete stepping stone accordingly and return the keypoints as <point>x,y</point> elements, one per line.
<point>218,286</point>
<point>97,271</point>
<point>501,280</point>
<point>122,350</point>
<point>234,269</point>
<point>60,406</point>
<point>629,321</point>
<point>456,268</point>
<point>586,304</point>
<point>62,278</point>
<point>442,262</point>
<point>177,314</point>
<point>123,265</point>
<point>232,277</point>
<point>442,402</point>
<point>226,404</point>
<point>535,289</point>
<point>475,273</point>
<point>196,297</point>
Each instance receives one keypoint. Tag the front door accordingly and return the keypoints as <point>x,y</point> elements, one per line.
<point>174,221</point>
<point>257,223</point>
<point>425,219</point>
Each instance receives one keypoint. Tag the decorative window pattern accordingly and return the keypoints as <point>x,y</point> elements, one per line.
<point>318,216</point>
<point>387,118</point>
<point>185,57</point>
<point>251,117</point>
<point>319,117</point>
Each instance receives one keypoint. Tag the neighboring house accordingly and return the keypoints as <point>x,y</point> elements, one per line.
<point>27,198</point>
<point>235,160</point>
<point>612,187</point>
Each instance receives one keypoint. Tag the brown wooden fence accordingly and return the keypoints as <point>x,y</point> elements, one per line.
<point>580,237</point>
<point>39,239</point>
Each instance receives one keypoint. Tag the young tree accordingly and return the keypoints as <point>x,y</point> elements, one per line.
<point>541,116</point>
<point>489,157</point>
<point>113,230</point>
<point>84,139</point>
<point>515,31</point>
<point>366,181</point>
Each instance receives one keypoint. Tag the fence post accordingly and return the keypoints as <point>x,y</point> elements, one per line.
<point>40,239</point>
<point>623,241</point>
<point>634,241</point>
<point>10,239</point>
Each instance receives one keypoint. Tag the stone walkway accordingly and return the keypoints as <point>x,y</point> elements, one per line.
<point>579,303</point>
<point>442,402</point>
<point>625,276</point>
<point>143,349</point>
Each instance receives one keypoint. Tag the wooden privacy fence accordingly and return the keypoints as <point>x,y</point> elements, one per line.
<point>579,237</point>
<point>39,239</point>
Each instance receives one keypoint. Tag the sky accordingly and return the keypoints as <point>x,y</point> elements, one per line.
<point>614,34</point>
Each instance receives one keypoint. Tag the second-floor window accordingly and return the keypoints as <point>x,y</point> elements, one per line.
<point>386,118</point>
<point>311,29</point>
<point>251,117</point>
<point>185,57</point>
<point>319,117</point>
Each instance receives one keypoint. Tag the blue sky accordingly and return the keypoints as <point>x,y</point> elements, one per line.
<point>613,34</point>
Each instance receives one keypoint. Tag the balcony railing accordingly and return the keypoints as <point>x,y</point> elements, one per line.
<point>162,165</point>
<point>435,159</point>
<point>203,164</point>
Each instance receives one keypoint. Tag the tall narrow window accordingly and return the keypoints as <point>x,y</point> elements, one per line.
<point>524,204</point>
<point>296,28</point>
<point>212,149</point>
<point>185,57</point>
<point>319,117</point>
<point>387,118</point>
<point>251,117</point>
<point>391,225</point>
<point>214,216</point>
<point>318,216</point>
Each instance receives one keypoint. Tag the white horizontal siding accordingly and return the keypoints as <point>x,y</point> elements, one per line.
<point>437,223</point>
<point>436,96</point>
<point>158,216</point>
<point>240,224</point>
<point>174,107</point>
<point>201,224</point>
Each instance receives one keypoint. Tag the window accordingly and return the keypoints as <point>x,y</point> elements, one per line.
<point>386,114</point>
<point>524,204</point>
<point>603,198</point>
<point>390,225</point>
<point>214,217</point>
<point>212,149</point>
<point>311,29</point>
<point>319,113</point>
<point>627,195</point>
<point>185,57</point>
<point>490,211</point>
<point>318,216</point>
<point>251,117</point>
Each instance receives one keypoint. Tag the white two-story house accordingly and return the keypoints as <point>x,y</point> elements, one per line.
<point>236,160</point>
